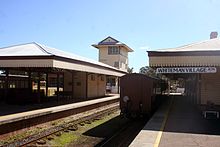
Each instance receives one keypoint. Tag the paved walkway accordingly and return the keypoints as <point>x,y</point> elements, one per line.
<point>178,123</point>
<point>186,127</point>
<point>151,133</point>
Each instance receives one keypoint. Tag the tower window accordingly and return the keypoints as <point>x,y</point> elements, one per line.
<point>113,50</point>
<point>116,64</point>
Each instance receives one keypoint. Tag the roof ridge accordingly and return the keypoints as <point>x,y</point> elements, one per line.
<point>111,38</point>
<point>188,45</point>
<point>16,45</point>
<point>88,60</point>
<point>35,43</point>
<point>196,43</point>
<point>42,48</point>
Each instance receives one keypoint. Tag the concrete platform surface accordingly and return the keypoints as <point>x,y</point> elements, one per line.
<point>149,135</point>
<point>35,113</point>
<point>186,127</point>
<point>179,124</point>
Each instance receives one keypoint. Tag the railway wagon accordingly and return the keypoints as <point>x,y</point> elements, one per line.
<point>138,94</point>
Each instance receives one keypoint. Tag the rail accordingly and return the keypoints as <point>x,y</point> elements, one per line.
<point>72,125</point>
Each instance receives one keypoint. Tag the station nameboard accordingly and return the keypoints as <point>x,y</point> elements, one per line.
<point>187,70</point>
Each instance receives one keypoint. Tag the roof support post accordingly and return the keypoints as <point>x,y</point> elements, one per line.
<point>58,85</point>
<point>86,85</point>
<point>63,81</point>
<point>199,88</point>
<point>98,85</point>
<point>118,85</point>
<point>29,84</point>
<point>73,84</point>
<point>6,83</point>
<point>46,84</point>
<point>38,88</point>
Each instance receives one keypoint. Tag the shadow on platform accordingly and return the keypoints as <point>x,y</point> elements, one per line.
<point>184,117</point>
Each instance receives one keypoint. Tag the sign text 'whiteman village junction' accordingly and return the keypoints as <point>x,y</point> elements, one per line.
<point>187,70</point>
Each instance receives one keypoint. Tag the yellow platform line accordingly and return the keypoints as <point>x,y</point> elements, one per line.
<point>159,135</point>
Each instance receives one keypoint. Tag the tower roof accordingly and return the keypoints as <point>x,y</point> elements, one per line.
<point>110,41</point>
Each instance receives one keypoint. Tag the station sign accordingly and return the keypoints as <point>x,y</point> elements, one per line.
<point>187,70</point>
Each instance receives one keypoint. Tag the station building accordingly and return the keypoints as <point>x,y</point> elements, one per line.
<point>34,73</point>
<point>114,53</point>
<point>197,65</point>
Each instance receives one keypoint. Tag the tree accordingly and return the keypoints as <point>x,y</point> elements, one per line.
<point>130,70</point>
<point>148,71</point>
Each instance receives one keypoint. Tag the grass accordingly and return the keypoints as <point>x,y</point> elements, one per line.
<point>63,140</point>
<point>68,137</point>
<point>77,136</point>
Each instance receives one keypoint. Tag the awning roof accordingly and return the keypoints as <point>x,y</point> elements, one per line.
<point>204,53</point>
<point>207,45</point>
<point>50,57</point>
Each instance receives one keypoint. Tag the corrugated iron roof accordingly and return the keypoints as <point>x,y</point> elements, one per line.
<point>111,41</point>
<point>29,49</point>
<point>36,49</point>
<point>206,45</point>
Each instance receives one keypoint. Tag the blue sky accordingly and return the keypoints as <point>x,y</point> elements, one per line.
<point>73,25</point>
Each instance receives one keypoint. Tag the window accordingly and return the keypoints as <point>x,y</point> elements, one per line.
<point>92,77</point>
<point>111,81</point>
<point>116,64</point>
<point>52,82</point>
<point>113,50</point>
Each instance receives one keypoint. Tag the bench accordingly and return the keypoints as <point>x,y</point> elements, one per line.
<point>211,112</point>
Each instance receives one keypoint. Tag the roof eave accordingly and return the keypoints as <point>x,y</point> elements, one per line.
<point>53,57</point>
<point>184,53</point>
<point>95,46</point>
<point>128,48</point>
<point>105,45</point>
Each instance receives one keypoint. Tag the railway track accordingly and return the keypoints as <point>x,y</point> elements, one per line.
<point>124,136</point>
<point>20,121</point>
<point>70,125</point>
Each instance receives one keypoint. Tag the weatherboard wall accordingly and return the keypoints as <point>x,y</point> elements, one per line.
<point>95,84</point>
<point>122,58</point>
<point>170,61</point>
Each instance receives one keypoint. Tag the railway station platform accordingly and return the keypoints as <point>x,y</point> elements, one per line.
<point>179,123</point>
<point>7,109</point>
<point>62,110</point>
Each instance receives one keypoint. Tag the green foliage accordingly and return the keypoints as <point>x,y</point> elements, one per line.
<point>130,70</point>
<point>146,70</point>
<point>64,139</point>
